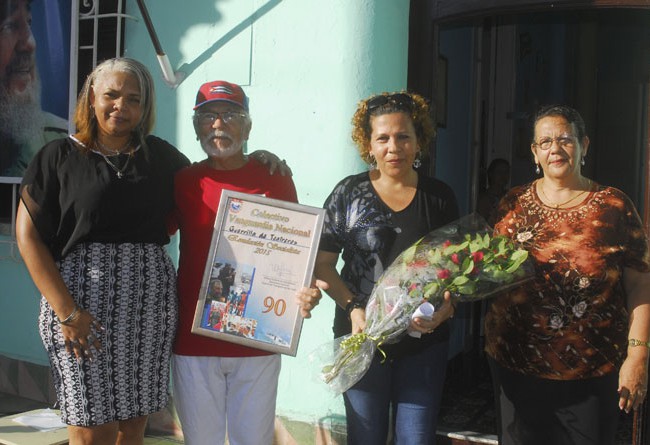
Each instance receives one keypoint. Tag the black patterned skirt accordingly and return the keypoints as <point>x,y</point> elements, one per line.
<point>131,290</point>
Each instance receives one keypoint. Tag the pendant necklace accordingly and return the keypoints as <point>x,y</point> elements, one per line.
<point>110,150</point>
<point>119,172</point>
<point>561,204</point>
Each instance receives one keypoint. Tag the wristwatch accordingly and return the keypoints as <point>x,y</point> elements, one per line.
<point>352,305</point>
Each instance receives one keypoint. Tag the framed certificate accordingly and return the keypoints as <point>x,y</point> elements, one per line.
<point>263,250</point>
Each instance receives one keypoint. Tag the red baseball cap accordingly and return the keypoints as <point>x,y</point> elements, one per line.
<point>221,90</point>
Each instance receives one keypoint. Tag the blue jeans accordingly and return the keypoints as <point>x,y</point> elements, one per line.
<point>411,386</point>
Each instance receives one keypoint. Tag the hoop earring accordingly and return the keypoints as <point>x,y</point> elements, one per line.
<point>417,163</point>
<point>537,170</point>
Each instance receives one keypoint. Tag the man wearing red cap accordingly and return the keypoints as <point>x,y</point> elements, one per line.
<point>216,382</point>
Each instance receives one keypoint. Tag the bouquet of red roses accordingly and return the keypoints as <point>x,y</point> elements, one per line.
<point>462,257</point>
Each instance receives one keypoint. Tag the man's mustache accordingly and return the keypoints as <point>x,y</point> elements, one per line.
<point>220,134</point>
<point>21,63</point>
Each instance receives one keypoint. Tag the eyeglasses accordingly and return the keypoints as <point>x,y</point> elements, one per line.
<point>205,119</point>
<point>399,100</point>
<point>564,141</point>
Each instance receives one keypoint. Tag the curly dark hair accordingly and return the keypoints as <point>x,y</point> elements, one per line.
<point>419,113</point>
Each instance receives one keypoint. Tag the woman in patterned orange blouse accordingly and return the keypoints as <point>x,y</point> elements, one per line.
<point>570,348</point>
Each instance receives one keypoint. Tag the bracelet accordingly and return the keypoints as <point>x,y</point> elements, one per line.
<point>352,305</point>
<point>635,342</point>
<point>71,317</point>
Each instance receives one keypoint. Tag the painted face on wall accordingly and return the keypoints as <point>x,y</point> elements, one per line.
<point>17,49</point>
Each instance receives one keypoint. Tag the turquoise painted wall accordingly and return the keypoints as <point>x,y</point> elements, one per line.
<point>19,300</point>
<point>304,64</point>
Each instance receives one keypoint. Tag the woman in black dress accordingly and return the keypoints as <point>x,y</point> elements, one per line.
<point>91,229</point>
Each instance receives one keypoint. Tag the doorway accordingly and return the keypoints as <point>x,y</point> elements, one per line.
<point>499,68</point>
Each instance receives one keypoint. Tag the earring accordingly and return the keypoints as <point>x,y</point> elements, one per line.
<point>418,162</point>
<point>582,161</point>
<point>372,162</point>
<point>537,170</point>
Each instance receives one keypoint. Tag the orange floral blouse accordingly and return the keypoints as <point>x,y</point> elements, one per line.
<point>571,321</point>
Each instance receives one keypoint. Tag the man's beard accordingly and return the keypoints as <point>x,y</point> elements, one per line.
<point>20,112</point>
<point>212,151</point>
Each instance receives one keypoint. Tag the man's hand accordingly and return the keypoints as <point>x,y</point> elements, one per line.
<point>309,297</point>
<point>272,161</point>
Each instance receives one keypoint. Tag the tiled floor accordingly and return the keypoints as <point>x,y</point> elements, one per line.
<point>467,408</point>
<point>12,405</point>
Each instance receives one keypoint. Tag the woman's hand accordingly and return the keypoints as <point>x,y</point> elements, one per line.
<point>442,314</point>
<point>272,161</point>
<point>308,298</point>
<point>358,319</point>
<point>632,382</point>
<point>82,334</point>
<point>78,328</point>
<point>633,375</point>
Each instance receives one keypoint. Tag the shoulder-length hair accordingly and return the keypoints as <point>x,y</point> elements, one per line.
<point>84,116</point>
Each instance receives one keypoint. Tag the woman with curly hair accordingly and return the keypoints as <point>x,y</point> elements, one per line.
<point>371,217</point>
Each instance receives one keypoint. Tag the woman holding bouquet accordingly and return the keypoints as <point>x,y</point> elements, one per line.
<point>570,348</point>
<point>371,218</point>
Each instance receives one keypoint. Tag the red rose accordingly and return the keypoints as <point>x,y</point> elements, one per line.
<point>454,258</point>
<point>444,274</point>
<point>477,256</point>
<point>421,263</point>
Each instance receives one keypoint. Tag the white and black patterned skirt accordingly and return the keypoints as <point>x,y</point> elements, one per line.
<point>131,290</point>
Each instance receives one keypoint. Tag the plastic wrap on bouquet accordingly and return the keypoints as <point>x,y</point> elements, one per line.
<point>462,257</point>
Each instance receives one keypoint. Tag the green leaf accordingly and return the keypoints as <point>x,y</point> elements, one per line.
<point>460,280</point>
<point>518,257</point>
<point>468,266</point>
<point>468,289</point>
<point>434,256</point>
<point>409,253</point>
<point>431,289</point>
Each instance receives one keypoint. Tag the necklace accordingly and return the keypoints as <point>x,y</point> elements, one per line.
<point>118,171</point>
<point>562,204</point>
<point>110,150</point>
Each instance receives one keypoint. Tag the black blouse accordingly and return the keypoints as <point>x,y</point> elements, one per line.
<point>75,197</point>
<point>370,236</point>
